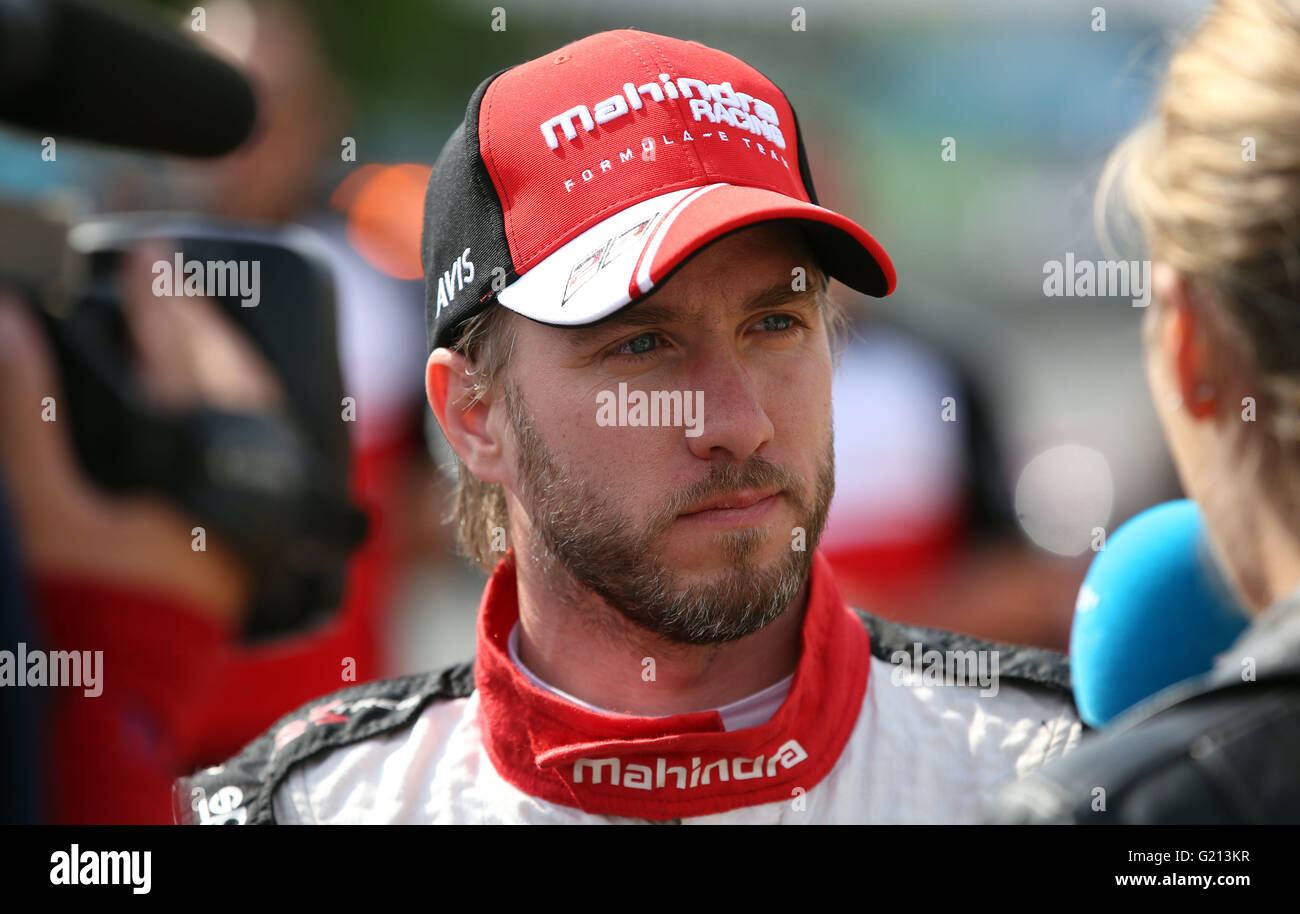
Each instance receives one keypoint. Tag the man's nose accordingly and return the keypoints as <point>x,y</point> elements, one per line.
<point>734,421</point>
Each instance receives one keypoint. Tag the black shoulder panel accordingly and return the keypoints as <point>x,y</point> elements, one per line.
<point>1033,666</point>
<point>239,792</point>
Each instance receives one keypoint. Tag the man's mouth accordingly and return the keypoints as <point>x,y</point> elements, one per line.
<point>743,508</point>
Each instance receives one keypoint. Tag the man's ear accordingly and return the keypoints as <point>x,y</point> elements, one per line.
<point>465,423</point>
<point>1184,340</point>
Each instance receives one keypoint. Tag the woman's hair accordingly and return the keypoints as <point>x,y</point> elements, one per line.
<point>1212,181</point>
<point>486,341</point>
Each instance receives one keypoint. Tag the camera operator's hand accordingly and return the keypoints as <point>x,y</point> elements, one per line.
<point>188,355</point>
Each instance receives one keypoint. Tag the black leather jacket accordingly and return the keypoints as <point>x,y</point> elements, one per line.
<point>1221,748</point>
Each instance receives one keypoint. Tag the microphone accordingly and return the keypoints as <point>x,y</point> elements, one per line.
<point>69,68</point>
<point>1154,610</point>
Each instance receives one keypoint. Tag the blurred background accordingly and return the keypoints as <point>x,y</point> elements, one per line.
<point>966,136</point>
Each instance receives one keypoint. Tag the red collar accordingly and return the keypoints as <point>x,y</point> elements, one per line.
<point>678,766</point>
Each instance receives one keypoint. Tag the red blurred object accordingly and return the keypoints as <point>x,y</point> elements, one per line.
<point>112,756</point>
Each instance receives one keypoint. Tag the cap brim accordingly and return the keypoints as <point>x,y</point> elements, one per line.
<point>622,258</point>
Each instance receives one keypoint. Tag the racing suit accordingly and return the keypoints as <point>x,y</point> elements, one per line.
<point>882,723</point>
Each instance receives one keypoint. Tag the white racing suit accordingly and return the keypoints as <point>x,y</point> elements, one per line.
<point>883,723</point>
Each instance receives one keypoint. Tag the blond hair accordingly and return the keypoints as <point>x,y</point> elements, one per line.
<point>1212,182</point>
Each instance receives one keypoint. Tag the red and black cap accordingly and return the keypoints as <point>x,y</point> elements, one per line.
<point>580,180</point>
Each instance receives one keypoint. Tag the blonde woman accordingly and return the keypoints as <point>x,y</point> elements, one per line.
<point>1213,182</point>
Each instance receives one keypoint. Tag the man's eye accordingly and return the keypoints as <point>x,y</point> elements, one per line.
<point>638,345</point>
<point>777,322</point>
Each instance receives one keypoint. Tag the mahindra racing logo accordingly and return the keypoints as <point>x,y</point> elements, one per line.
<point>715,103</point>
<point>642,777</point>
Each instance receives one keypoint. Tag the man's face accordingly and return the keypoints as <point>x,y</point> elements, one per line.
<point>700,538</point>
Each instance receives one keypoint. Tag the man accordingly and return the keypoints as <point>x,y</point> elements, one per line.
<point>632,356</point>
